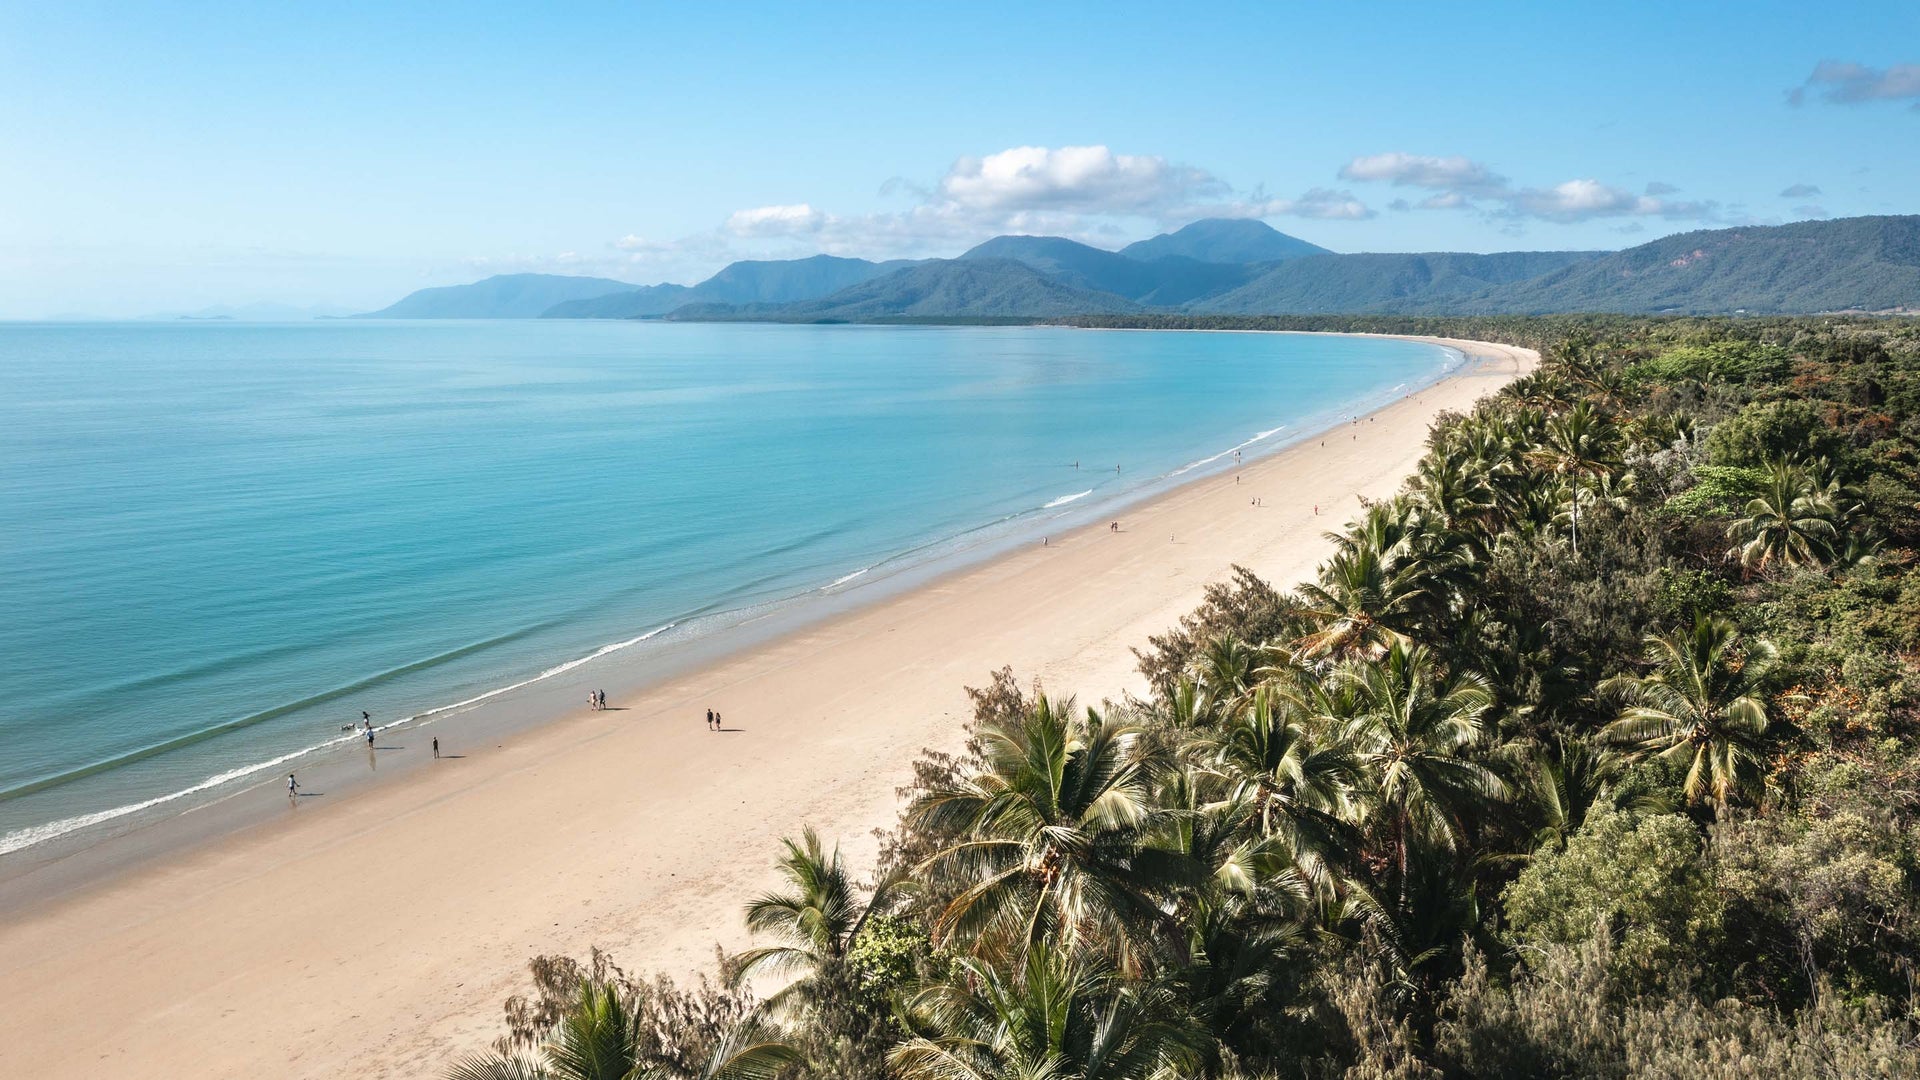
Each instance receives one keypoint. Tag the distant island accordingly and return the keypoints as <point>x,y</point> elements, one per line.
<point>1225,266</point>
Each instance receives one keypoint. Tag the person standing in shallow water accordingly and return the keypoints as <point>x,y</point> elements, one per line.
<point>436,747</point>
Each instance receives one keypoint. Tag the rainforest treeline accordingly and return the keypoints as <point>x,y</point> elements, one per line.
<point>1591,753</point>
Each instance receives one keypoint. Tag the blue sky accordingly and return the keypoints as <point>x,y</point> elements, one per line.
<point>169,157</point>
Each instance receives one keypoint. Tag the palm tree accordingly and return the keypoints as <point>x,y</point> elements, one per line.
<point>1225,673</point>
<point>1048,1018</point>
<point>1363,604</point>
<point>1414,732</point>
<point>1390,572</point>
<point>1452,485</point>
<point>1564,785</point>
<point>1295,781</point>
<point>1050,839</point>
<point>819,918</point>
<point>597,1039</point>
<point>1666,430</point>
<point>1579,443</point>
<point>1703,704</point>
<point>1790,523</point>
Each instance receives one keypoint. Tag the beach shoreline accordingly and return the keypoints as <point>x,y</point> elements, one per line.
<point>377,935</point>
<point>70,853</point>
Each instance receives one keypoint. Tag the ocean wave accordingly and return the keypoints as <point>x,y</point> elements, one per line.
<point>844,578</point>
<point>1192,465</point>
<point>1065,499</point>
<point>21,839</point>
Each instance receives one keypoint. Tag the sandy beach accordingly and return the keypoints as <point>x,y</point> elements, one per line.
<point>376,934</point>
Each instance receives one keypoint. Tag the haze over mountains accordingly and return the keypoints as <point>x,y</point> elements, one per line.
<point>1240,266</point>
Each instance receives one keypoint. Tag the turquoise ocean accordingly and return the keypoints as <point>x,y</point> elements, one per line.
<point>220,542</point>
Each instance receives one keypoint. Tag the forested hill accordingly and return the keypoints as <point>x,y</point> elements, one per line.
<point>972,288</point>
<point>503,296</point>
<point>1852,264</point>
<point>780,281</point>
<point>1865,264</point>
<point>1224,240</point>
<point>1380,282</point>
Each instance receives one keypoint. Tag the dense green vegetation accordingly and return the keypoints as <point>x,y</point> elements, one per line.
<point>1474,802</point>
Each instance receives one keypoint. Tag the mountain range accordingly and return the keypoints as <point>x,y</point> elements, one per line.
<point>1239,266</point>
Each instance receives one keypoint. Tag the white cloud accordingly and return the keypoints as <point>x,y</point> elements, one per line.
<point>1837,82</point>
<point>1584,200</point>
<point>1460,183</point>
<point>1324,204</point>
<point>1799,191</point>
<point>1317,204</point>
<point>789,220</point>
<point>1456,173</point>
<point>1087,179</point>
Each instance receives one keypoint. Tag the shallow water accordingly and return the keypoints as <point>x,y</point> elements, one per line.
<point>223,542</point>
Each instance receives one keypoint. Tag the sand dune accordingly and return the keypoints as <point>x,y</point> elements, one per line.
<point>378,935</point>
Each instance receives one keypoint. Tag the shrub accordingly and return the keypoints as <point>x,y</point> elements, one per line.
<point>1796,430</point>
<point>1641,873</point>
<point>1748,363</point>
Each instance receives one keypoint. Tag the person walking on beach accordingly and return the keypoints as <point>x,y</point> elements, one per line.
<point>369,737</point>
<point>709,719</point>
<point>436,748</point>
<point>293,787</point>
